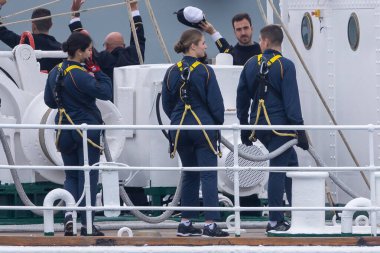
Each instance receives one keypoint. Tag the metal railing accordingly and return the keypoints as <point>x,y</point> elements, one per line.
<point>236,134</point>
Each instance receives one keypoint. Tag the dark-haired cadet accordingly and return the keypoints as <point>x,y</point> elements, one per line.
<point>40,33</point>
<point>191,96</point>
<point>73,90</point>
<point>243,29</point>
<point>281,99</point>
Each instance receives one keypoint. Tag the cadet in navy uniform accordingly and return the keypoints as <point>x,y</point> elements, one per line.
<point>191,96</point>
<point>115,53</point>
<point>281,99</point>
<point>245,48</point>
<point>40,33</point>
<point>74,90</point>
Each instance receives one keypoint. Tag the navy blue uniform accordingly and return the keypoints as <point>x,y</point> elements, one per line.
<point>283,108</point>
<point>240,54</point>
<point>79,94</point>
<point>42,42</point>
<point>120,56</point>
<point>207,102</point>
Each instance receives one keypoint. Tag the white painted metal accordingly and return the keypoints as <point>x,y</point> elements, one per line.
<point>347,216</point>
<point>303,184</point>
<point>51,197</point>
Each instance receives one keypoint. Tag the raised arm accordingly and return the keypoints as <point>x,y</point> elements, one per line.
<point>220,42</point>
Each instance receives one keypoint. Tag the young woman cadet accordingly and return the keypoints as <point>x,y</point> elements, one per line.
<point>73,90</point>
<point>191,96</point>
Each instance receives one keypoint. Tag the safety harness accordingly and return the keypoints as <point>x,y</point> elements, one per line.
<point>184,94</point>
<point>264,86</point>
<point>61,73</point>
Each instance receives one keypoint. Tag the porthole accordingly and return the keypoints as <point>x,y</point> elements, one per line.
<point>307,30</point>
<point>353,31</point>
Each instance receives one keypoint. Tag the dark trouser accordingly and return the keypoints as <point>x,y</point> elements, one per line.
<point>278,183</point>
<point>195,152</point>
<point>70,145</point>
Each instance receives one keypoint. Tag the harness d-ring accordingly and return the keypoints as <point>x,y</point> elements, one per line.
<point>28,35</point>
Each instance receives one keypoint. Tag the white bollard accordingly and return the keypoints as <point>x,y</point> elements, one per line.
<point>308,222</point>
<point>110,182</point>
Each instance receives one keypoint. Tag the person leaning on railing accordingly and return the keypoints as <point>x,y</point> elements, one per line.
<point>191,96</point>
<point>268,85</point>
<point>73,90</point>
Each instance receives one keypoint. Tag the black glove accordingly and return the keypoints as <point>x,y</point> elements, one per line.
<point>244,136</point>
<point>302,140</point>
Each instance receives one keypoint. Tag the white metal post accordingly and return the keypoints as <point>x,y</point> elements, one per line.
<point>236,180</point>
<point>372,180</point>
<point>87,187</point>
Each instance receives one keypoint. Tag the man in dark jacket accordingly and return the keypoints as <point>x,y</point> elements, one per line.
<point>280,97</point>
<point>245,48</point>
<point>115,53</point>
<point>40,33</point>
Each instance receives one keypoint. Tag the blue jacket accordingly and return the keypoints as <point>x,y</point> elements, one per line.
<point>79,94</point>
<point>206,99</point>
<point>282,110</point>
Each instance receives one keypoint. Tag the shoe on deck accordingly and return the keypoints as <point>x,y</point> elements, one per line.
<point>280,226</point>
<point>95,232</point>
<point>68,225</point>
<point>215,232</point>
<point>185,231</point>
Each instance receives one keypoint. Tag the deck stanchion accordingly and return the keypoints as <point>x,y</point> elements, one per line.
<point>372,180</point>
<point>236,179</point>
<point>87,188</point>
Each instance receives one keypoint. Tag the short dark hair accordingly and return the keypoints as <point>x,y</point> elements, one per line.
<point>43,25</point>
<point>76,40</point>
<point>239,17</point>
<point>273,33</point>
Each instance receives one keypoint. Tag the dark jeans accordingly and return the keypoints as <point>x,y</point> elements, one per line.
<point>70,145</point>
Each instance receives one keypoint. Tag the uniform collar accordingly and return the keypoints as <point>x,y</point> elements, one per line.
<point>271,51</point>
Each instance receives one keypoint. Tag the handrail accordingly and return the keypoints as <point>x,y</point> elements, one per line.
<point>236,168</point>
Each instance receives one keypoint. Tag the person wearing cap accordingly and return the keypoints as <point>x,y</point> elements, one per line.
<point>245,48</point>
<point>40,34</point>
<point>191,86</point>
<point>115,53</point>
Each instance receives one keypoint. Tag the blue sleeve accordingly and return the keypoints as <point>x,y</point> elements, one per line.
<point>223,45</point>
<point>99,87</point>
<point>140,36</point>
<point>243,99</point>
<point>48,94</point>
<point>291,100</point>
<point>168,102</point>
<point>76,26</point>
<point>215,99</point>
<point>8,37</point>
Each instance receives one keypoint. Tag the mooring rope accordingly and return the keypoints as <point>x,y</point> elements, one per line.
<point>134,33</point>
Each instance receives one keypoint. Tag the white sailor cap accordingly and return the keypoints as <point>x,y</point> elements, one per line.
<point>191,16</point>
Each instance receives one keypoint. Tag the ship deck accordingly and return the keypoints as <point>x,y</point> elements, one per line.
<point>167,237</point>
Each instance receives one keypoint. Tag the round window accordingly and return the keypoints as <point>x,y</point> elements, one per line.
<point>353,31</point>
<point>307,30</point>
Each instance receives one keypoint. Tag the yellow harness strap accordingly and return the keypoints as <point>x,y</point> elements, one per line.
<point>188,108</point>
<point>63,112</point>
<point>261,105</point>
